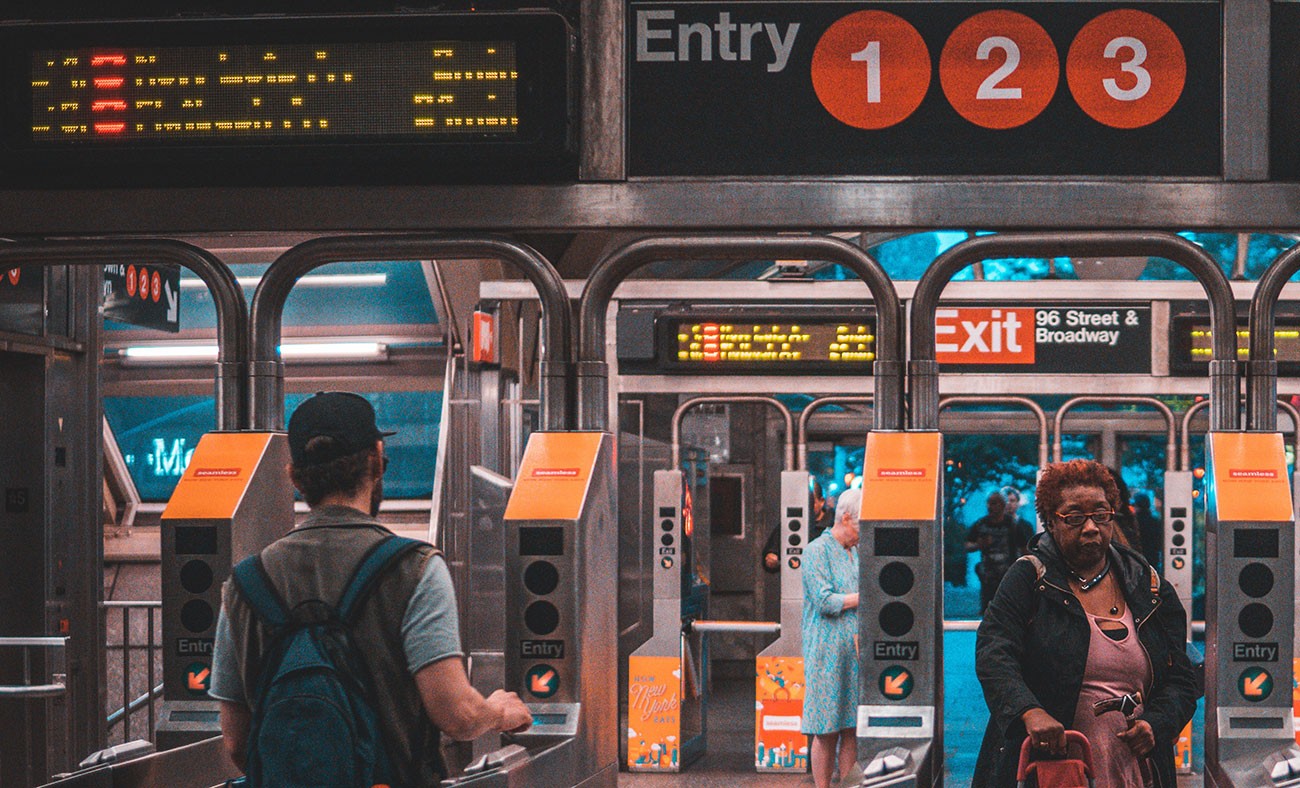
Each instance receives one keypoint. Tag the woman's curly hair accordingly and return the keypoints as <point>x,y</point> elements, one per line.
<point>343,475</point>
<point>1058,476</point>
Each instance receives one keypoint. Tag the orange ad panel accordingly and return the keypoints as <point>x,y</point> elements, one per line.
<point>218,473</point>
<point>654,726</point>
<point>901,478</point>
<point>553,477</point>
<point>1250,479</point>
<point>778,715</point>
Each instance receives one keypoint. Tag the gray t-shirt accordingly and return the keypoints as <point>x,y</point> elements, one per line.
<point>430,632</point>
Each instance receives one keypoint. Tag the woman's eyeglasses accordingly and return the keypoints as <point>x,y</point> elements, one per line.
<point>1077,519</point>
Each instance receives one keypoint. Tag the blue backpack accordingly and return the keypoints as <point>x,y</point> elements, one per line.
<point>315,723</point>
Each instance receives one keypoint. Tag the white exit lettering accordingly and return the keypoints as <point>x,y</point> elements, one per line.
<point>971,335</point>
<point>733,41</point>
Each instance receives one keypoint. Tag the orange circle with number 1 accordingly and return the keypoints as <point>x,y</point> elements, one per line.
<point>871,69</point>
<point>1126,69</point>
<point>999,69</point>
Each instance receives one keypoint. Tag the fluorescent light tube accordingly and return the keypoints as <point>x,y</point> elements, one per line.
<point>301,351</point>
<point>311,280</point>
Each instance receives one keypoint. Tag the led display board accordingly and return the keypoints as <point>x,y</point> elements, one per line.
<point>1191,341</point>
<point>736,340</point>
<point>419,97</point>
<point>408,89</point>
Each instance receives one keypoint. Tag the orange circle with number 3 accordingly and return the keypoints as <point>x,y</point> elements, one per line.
<point>999,69</point>
<point>871,69</point>
<point>1126,69</point>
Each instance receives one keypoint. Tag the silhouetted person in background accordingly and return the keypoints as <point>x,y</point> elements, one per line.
<point>997,538</point>
<point>822,518</point>
<point>1128,527</point>
<point>1023,526</point>
<point>1150,530</point>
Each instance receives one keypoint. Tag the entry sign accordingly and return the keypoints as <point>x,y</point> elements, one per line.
<point>924,88</point>
<point>143,294</point>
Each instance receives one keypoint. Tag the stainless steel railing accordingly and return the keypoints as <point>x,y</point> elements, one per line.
<point>132,700</point>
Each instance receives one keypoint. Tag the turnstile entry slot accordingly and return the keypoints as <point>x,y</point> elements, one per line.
<point>561,633</point>
<point>234,498</point>
<point>900,611</point>
<point>1250,539</point>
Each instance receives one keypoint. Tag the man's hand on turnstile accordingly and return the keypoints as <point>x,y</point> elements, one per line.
<point>771,561</point>
<point>514,715</point>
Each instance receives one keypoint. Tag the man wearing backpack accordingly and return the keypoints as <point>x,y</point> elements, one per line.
<point>338,656</point>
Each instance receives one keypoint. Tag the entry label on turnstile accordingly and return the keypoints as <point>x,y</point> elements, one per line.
<point>900,476</point>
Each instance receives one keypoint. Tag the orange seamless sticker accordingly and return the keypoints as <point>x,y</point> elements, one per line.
<point>218,474</point>
<point>901,478</point>
<point>778,715</point>
<point>1250,481</point>
<point>654,726</point>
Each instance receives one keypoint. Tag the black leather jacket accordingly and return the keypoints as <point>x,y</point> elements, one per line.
<point>1032,648</point>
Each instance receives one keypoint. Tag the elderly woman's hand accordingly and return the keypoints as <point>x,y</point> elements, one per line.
<point>1044,732</point>
<point>1139,737</point>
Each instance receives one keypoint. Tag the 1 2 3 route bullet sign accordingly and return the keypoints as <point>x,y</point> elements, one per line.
<point>925,89</point>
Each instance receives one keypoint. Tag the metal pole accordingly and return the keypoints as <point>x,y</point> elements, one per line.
<point>1171,435</point>
<point>1261,368</point>
<point>1029,405</point>
<point>806,414</point>
<point>745,627</point>
<point>227,297</point>
<point>924,369</point>
<point>593,381</point>
<point>267,375</point>
<point>1185,448</point>
<point>729,400</point>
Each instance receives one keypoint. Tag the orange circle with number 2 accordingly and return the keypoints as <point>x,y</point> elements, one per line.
<point>999,69</point>
<point>1126,69</point>
<point>871,69</point>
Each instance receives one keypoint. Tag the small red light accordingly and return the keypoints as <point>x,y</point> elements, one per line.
<point>65,626</point>
<point>109,82</point>
<point>108,60</point>
<point>110,128</point>
<point>105,104</point>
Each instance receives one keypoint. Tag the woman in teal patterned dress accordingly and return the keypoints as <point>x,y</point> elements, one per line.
<point>830,628</point>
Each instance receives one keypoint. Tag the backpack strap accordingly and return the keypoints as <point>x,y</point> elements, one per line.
<point>376,561</point>
<point>250,577</point>
<point>1037,563</point>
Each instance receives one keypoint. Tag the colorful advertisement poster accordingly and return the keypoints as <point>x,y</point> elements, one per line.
<point>654,713</point>
<point>778,712</point>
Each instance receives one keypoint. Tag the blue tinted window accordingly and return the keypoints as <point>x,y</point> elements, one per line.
<point>157,436</point>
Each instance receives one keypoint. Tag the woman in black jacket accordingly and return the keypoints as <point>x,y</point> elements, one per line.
<point>1058,637</point>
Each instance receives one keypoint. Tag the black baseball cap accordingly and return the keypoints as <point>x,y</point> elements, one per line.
<point>345,417</point>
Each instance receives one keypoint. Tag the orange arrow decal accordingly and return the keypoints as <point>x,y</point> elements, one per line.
<point>542,683</point>
<point>199,680</point>
<point>1253,687</point>
<point>894,684</point>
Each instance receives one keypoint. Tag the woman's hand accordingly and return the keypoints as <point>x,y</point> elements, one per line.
<point>1044,732</point>
<point>850,601</point>
<point>1139,737</point>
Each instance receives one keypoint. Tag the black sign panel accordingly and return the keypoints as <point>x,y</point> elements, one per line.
<point>143,295</point>
<point>1074,339</point>
<point>1284,113</point>
<point>924,88</point>
<point>22,300</point>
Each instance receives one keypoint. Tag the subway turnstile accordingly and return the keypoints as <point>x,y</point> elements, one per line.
<point>668,674</point>
<point>234,499</point>
<point>561,579</point>
<point>1250,540</point>
<point>900,611</point>
<point>779,744</point>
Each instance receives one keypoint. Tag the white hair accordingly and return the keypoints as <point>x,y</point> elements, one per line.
<point>850,504</point>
